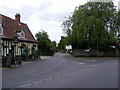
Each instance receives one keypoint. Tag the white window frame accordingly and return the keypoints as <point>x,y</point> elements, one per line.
<point>1,50</point>
<point>22,32</point>
<point>1,30</point>
<point>19,35</point>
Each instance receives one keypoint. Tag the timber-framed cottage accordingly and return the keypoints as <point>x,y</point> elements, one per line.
<point>15,37</point>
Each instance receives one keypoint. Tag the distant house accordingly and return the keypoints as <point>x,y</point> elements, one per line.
<point>119,6</point>
<point>15,36</point>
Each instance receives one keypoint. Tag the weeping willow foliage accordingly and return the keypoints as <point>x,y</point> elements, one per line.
<point>92,23</point>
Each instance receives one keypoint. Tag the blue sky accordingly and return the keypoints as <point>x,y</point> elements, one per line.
<point>42,14</point>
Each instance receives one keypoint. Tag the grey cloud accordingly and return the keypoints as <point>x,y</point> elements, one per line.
<point>45,5</point>
<point>41,10</point>
<point>25,10</point>
<point>56,17</point>
<point>7,10</point>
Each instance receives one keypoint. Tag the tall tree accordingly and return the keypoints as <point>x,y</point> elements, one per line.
<point>45,45</point>
<point>62,44</point>
<point>92,26</point>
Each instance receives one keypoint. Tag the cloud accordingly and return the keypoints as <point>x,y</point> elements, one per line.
<point>52,27</point>
<point>42,14</point>
<point>24,9</point>
<point>17,4</point>
<point>52,16</point>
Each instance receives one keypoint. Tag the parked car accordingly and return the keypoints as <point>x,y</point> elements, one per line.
<point>69,51</point>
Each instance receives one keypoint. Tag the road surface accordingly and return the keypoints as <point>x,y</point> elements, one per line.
<point>63,71</point>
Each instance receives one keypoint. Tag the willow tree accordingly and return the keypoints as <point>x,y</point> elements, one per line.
<point>92,26</point>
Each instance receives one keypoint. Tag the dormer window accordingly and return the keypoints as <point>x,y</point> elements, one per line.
<point>1,30</point>
<point>21,34</point>
<point>18,34</point>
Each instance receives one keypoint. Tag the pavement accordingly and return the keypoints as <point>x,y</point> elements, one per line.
<point>63,71</point>
<point>28,62</point>
<point>83,58</point>
<point>45,57</point>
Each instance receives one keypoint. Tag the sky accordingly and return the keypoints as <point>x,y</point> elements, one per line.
<point>42,14</point>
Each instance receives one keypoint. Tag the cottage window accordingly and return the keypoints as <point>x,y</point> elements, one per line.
<point>1,30</point>
<point>18,34</point>
<point>1,50</point>
<point>22,34</point>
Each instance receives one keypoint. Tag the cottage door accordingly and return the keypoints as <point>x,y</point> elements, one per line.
<point>13,51</point>
<point>13,54</point>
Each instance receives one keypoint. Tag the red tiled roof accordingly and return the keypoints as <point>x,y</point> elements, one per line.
<point>11,26</point>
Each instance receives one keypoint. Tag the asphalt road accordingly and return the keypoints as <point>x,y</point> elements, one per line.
<point>63,71</point>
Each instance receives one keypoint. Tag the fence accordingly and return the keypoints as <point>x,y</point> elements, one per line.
<point>94,53</point>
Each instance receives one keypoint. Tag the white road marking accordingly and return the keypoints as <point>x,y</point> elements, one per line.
<point>58,76</point>
<point>25,85</point>
<point>49,79</point>
<point>78,63</point>
<point>81,63</point>
<point>72,72</point>
<point>38,82</point>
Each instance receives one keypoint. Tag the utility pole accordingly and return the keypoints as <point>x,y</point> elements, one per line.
<point>97,44</point>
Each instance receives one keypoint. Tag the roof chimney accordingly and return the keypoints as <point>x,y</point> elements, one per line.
<point>17,17</point>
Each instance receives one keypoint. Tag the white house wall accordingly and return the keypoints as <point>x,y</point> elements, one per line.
<point>17,51</point>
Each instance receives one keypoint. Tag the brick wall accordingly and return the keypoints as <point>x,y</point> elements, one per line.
<point>82,52</point>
